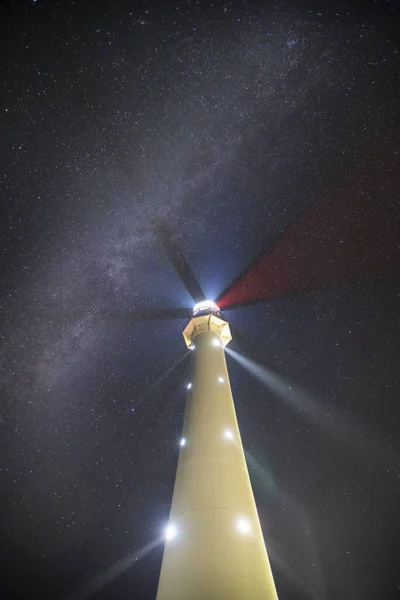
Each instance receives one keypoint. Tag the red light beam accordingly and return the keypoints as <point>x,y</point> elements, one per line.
<point>352,233</point>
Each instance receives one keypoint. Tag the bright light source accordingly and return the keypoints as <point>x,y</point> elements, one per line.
<point>189,386</point>
<point>243,526</point>
<point>221,379</point>
<point>193,347</point>
<point>228,434</point>
<point>216,342</point>
<point>183,442</point>
<point>170,532</point>
<point>205,306</point>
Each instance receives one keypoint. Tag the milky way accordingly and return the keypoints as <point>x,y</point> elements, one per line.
<point>225,122</point>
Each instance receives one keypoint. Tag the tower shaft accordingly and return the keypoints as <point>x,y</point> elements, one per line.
<point>218,551</point>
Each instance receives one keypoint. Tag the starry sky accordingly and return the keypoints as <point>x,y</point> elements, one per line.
<point>261,134</point>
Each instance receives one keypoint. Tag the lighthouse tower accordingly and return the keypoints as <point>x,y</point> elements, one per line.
<point>214,547</point>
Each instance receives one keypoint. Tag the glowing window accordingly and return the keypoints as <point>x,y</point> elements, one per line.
<point>205,306</point>
<point>170,532</point>
<point>243,526</point>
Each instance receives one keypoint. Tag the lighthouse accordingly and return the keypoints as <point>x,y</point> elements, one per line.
<point>214,546</point>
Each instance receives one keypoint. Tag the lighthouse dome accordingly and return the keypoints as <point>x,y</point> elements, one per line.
<point>205,307</point>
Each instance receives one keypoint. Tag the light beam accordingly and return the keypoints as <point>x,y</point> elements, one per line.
<point>105,577</point>
<point>314,409</point>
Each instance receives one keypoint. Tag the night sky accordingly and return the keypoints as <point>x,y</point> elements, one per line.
<point>258,133</point>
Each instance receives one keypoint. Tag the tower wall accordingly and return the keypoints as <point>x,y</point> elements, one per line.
<point>218,552</point>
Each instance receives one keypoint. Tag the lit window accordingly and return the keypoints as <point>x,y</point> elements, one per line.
<point>183,442</point>
<point>228,434</point>
<point>205,306</point>
<point>243,526</point>
<point>170,532</point>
